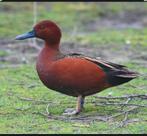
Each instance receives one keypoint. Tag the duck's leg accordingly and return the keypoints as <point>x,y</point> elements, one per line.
<point>79,107</point>
<point>80,104</point>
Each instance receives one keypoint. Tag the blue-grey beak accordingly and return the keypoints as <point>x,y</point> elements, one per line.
<point>27,35</point>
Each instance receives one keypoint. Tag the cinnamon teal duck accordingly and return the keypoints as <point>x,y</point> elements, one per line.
<point>73,74</point>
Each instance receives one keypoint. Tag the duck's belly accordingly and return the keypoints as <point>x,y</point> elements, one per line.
<point>73,76</point>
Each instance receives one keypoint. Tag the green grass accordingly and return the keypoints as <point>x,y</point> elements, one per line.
<point>3,53</point>
<point>78,14</point>
<point>19,116</point>
<point>77,17</point>
<point>112,36</point>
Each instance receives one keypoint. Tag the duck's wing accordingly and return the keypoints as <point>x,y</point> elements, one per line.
<point>116,73</point>
<point>106,65</point>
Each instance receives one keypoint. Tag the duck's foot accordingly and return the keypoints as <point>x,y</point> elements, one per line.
<point>71,111</point>
<point>79,107</point>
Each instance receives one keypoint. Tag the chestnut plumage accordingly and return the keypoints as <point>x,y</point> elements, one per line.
<point>73,74</point>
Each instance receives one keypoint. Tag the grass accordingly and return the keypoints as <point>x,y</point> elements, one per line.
<point>112,36</point>
<point>20,116</point>
<point>77,15</point>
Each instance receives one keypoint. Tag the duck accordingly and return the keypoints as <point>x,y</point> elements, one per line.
<point>73,74</point>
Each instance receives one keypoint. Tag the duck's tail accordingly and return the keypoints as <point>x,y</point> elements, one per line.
<point>118,77</point>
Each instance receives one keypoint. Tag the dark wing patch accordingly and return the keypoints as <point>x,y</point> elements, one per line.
<point>116,74</point>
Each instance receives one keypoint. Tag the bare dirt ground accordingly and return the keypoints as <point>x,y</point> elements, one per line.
<point>127,19</point>
<point>24,52</point>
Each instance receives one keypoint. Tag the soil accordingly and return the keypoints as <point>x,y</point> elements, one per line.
<point>25,52</point>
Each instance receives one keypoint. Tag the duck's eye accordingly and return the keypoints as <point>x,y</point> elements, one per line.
<point>42,27</point>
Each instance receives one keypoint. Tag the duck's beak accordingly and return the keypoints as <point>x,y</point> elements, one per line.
<point>27,35</point>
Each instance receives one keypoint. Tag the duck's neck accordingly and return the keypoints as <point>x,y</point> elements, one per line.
<point>49,52</point>
<point>52,47</point>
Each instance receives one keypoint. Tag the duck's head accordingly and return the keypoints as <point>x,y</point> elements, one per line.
<point>45,30</point>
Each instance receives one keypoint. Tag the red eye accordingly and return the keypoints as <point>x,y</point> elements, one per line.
<point>42,27</point>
